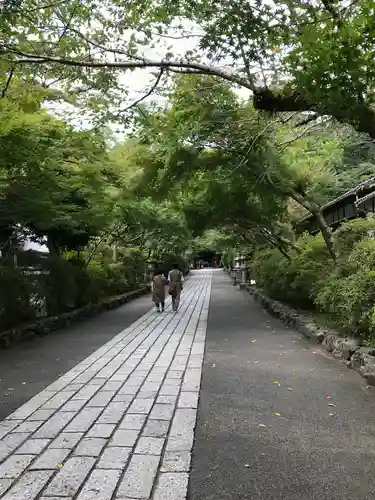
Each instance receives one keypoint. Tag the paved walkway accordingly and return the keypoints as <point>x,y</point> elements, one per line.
<point>277,420</point>
<point>28,367</point>
<point>119,425</point>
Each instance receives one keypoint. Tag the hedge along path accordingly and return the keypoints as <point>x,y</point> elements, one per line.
<point>121,423</point>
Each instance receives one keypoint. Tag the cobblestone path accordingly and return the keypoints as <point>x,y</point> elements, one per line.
<point>120,425</point>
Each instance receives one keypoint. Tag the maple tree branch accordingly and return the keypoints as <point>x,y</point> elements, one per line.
<point>8,82</point>
<point>135,103</point>
<point>26,58</point>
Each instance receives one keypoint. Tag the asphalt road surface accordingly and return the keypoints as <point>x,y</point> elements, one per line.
<point>278,419</point>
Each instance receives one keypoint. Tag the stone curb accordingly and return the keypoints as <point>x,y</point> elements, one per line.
<point>361,359</point>
<point>49,324</point>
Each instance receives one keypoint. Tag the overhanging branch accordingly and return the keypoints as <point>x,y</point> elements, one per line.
<point>204,69</point>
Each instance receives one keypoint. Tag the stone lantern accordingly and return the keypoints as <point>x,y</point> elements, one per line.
<point>151,268</point>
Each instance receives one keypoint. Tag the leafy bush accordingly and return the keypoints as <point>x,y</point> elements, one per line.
<point>271,271</point>
<point>348,234</point>
<point>351,301</point>
<point>16,293</point>
<point>309,268</point>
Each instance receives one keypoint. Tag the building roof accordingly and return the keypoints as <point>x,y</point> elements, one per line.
<point>368,183</point>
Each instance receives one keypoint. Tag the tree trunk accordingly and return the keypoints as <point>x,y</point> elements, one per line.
<point>314,209</point>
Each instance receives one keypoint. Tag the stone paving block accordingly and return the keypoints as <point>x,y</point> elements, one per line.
<point>29,486</point>
<point>58,400</point>
<point>139,477</point>
<point>124,437</point>
<point>73,405</point>
<point>11,442</point>
<point>83,421</point>
<point>54,425</point>
<point>113,413</point>
<point>195,361</point>
<point>100,485</point>
<point>149,446</point>
<point>192,380</point>
<point>83,378</point>
<point>188,400</point>
<point>87,392</point>
<point>7,426</point>
<point>112,385</point>
<point>67,440</point>
<point>99,382</point>
<point>50,459</point>
<point>90,447</point>
<point>101,430</point>
<point>147,394</point>
<point>167,400</point>
<point>151,386</point>
<point>33,447</point>
<point>175,374</point>
<point>172,486</point>
<point>129,390</point>
<point>114,457</point>
<point>41,415</point>
<point>102,398</point>
<point>28,427</point>
<point>74,387</point>
<point>162,412</point>
<point>176,461</point>
<point>156,428</point>
<point>15,465</point>
<point>70,478</point>
<point>123,398</point>
<point>141,406</point>
<point>28,408</point>
<point>169,390</point>
<point>132,421</point>
<point>4,485</point>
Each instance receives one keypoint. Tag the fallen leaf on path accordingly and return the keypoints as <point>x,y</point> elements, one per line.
<point>276,382</point>
<point>294,371</point>
<point>276,414</point>
<point>59,466</point>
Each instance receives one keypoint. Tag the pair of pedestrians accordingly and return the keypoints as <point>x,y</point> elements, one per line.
<point>175,281</point>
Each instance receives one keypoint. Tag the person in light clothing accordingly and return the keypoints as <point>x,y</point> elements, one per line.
<point>176,279</point>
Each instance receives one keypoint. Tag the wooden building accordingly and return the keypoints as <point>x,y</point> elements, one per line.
<point>357,202</point>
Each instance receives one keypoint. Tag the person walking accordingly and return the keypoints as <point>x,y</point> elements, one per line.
<point>176,279</point>
<point>158,290</point>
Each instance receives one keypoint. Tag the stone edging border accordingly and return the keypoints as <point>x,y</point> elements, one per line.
<point>44,326</point>
<point>361,359</point>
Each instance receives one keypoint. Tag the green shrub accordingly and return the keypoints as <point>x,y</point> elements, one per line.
<point>309,268</point>
<point>16,292</point>
<point>348,234</point>
<point>271,271</point>
<point>351,301</point>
